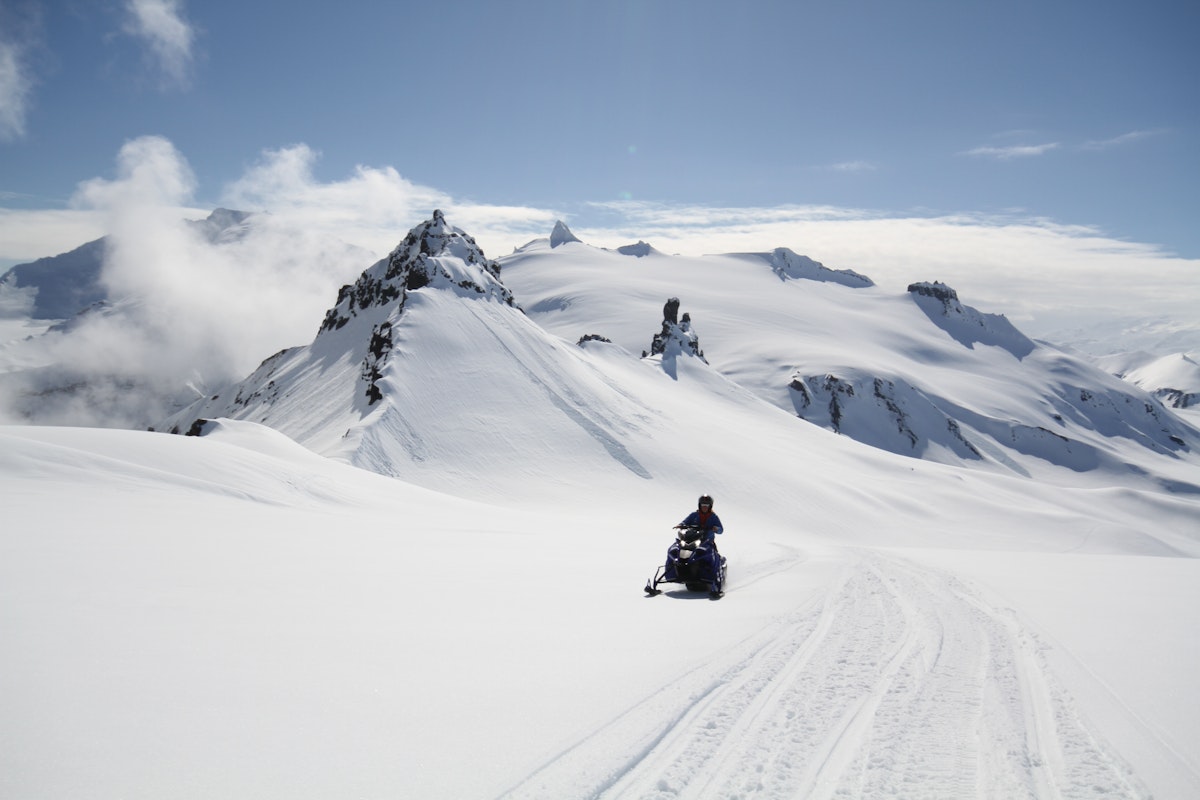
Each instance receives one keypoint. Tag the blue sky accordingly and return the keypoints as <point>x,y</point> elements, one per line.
<point>1078,118</point>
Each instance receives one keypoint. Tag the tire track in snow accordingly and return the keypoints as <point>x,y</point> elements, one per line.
<point>901,683</point>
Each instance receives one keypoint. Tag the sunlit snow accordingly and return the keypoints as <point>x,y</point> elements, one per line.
<point>437,592</point>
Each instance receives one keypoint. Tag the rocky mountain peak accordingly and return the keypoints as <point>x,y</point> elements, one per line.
<point>561,234</point>
<point>434,254</point>
<point>434,238</point>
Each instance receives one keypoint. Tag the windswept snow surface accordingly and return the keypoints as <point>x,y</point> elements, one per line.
<point>235,615</point>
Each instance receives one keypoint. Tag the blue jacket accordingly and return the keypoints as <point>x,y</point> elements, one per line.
<point>710,523</point>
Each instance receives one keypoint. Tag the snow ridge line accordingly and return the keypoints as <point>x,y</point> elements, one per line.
<point>903,683</point>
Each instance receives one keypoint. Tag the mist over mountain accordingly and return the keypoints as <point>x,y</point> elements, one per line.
<point>59,287</point>
<point>120,330</point>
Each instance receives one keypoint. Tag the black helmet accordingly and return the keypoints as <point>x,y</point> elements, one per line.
<point>705,500</point>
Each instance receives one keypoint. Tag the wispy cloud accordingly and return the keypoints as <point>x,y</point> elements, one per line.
<point>1008,152</point>
<point>161,24</point>
<point>852,166</point>
<point>15,86</point>
<point>1119,141</point>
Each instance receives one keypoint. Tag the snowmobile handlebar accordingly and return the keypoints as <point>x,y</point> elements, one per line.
<point>689,533</point>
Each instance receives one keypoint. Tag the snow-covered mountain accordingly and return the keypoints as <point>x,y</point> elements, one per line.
<point>978,578</point>
<point>920,374</point>
<point>57,287</point>
<point>392,372</point>
<point>1173,379</point>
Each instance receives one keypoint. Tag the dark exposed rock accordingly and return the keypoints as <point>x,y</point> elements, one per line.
<point>676,336</point>
<point>671,311</point>
<point>938,291</point>
<point>377,352</point>
<point>197,428</point>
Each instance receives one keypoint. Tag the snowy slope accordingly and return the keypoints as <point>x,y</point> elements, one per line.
<point>235,614</point>
<point>920,375</point>
<point>231,615</point>
<point>1174,379</point>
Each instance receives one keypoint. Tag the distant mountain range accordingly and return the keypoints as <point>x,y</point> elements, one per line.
<point>437,339</point>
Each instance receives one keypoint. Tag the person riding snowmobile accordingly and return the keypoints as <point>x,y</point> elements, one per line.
<point>692,559</point>
<point>705,519</point>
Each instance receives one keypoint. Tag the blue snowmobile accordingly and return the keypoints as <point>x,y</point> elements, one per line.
<point>693,560</point>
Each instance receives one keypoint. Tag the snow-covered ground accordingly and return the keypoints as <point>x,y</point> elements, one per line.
<point>234,615</point>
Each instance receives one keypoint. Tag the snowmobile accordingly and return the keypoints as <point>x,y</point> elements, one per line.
<point>693,561</point>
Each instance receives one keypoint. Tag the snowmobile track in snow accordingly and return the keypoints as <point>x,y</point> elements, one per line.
<point>899,682</point>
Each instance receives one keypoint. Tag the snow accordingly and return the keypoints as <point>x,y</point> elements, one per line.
<point>236,615</point>
<point>1175,378</point>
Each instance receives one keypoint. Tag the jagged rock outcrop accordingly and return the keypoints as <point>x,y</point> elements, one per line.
<point>676,336</point>
<point>433,253</point>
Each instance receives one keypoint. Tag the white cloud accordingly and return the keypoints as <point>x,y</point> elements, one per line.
<point>373,208</point>
<point>1118,141</point>
<point>160,23</point>
<point>1013,151</point>
<point>15,86</point>
<point>151,174</point>
<point>852,166</point>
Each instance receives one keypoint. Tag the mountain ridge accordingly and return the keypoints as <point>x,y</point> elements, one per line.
<point>922,375</point>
